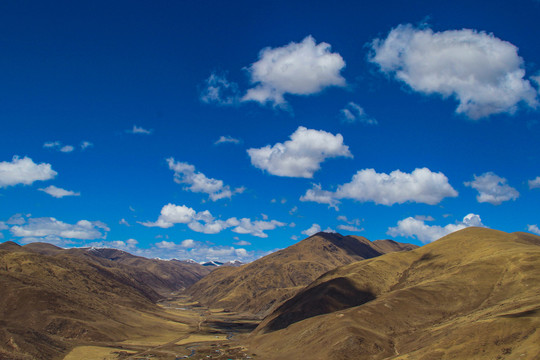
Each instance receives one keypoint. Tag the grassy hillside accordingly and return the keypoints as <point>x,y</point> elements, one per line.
<point>262,285</point>
<point>52,298</point>
<point>474,294</point>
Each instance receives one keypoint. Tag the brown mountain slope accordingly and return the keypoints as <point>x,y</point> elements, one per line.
<point>474,294</point>
<point>262,285</point>
<point>163,276</point>
<point>51,298</point>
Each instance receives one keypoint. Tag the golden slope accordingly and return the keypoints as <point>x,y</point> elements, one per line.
<point>49,302</point>
<point>475,294</point>
<point>262,285</point>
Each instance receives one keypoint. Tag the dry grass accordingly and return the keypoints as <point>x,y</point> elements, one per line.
<point>472,295</point>
<point>95,353</point>
<point>201,338</point>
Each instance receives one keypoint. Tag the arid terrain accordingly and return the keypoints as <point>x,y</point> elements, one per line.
<point>473,294</point>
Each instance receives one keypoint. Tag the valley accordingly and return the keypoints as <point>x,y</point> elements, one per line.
<point>473,294</point>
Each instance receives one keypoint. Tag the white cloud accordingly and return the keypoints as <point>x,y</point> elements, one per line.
<point>58,192</point>
<point>24,171</point>
<point>128,245</point>
<point>350,228</point>
<point>227,139</point>
<point>492,189</point>
<point>139,130</point>
<point>58,146</point>
<point>185,173</point>
<point>484,73</point>
<point>49,229</point>
<point>123,222</point>
<point>318,195</point>
<point>199,252</point>
<point>67,149</point>
<point>220,91</point>
<point>355,222</point>
<point>204,222</point>
<point>242,243</point>
<point>172,214</point>
<point>3,226</point>
<point>302,155</point>
<point>533,229</point>
<point>315,228</point>
<point>424,218</point>
<point>52,144</point>
<point>166,245</point>
<point>188,243</point>
<point>86,145</point>
<point>355,113</point>
<point>534,183</point>
<point>256,228</point>
<point>414,228</point>
<point>303,68</point>
<point>420,186</point>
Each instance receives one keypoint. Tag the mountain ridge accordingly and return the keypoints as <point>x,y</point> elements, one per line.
<point>260,286</point>
<point>472,294</point>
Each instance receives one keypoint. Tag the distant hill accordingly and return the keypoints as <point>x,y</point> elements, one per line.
<point>51,296</point>
<point>474,294</point>
<point>260,286</point>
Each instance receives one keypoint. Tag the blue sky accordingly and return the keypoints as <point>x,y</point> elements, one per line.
<point>224,130</point>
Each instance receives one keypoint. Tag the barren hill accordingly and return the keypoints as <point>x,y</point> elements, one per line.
<point>473,294</point>
<point>51,296</point>
<point>262,285</point>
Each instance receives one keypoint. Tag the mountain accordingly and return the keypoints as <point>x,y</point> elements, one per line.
<point>51,296</point>
<point>473,294</point>
<point>163,276</point>
<point>260,286</point>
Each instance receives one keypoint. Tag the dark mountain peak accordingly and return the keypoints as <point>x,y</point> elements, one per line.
<point>9,245</point>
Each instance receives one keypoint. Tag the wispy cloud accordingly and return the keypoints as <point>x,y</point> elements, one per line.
<point>139,130</point>
<point>59,192</point>
<point>197,182</point>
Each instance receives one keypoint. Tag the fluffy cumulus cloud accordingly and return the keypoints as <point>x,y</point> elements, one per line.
<point>204,222</point>
<point>218,90</point>
<point>533,229</point>
<point>353,113</point>
<point>420,186</point>
<point>415,228</point>
<point>139,130</point>
<point>59,192</point>
<point>484,73</point>
<point>303,68</point>
<point>197,182</point>
<point>24,171</point>
<point>534,183</point>
<point>492,189</point>
<point>48,229</point>
<point>227,140</point>
<point>302,155</point>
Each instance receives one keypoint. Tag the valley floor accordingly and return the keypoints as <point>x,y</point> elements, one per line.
<point>192,332</point>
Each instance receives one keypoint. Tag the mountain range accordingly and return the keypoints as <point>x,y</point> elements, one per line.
<point>263,284</point>
<point>473,294</point>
